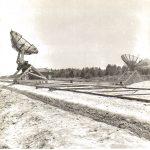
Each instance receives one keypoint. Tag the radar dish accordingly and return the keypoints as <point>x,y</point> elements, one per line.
<point>131,61</point>
<point>131,73</point>
<point>20,44</point>
<point>23,47</point>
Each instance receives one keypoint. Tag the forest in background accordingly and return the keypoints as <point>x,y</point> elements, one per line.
<point>110,70</point>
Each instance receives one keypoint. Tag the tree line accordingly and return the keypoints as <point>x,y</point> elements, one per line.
<point>87,72</point>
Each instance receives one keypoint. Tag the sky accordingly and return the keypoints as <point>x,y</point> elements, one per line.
<point>75,33</point>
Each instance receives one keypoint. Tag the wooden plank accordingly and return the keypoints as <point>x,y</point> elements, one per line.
<point>33,68</point>
<point>99,94</point>
<point>41,77</point>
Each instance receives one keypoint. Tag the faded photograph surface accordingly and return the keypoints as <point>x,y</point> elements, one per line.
<point>74,74</point>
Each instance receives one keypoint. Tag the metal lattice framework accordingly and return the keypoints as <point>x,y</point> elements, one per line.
<point>133,62</point>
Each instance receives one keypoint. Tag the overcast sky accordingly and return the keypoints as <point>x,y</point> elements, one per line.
<point>75,33</point>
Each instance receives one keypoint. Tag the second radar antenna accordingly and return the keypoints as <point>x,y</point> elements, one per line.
<point>131,74</point>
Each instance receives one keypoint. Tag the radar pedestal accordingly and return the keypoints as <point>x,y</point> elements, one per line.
<point>131,74</point>
<point>23,47</point>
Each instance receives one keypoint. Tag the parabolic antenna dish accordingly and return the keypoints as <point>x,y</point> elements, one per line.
<point>22,45</point>
<point>131,61</point>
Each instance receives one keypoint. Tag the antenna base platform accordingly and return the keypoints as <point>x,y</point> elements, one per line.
<point>28,73</point>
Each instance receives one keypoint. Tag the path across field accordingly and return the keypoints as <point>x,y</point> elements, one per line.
<point>122,113</point>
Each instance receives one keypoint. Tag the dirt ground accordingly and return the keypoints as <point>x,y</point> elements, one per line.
<point>28,123</point>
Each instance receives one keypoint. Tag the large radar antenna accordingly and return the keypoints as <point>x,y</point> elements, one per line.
<point>131,74</point>
<point>23,47</point>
